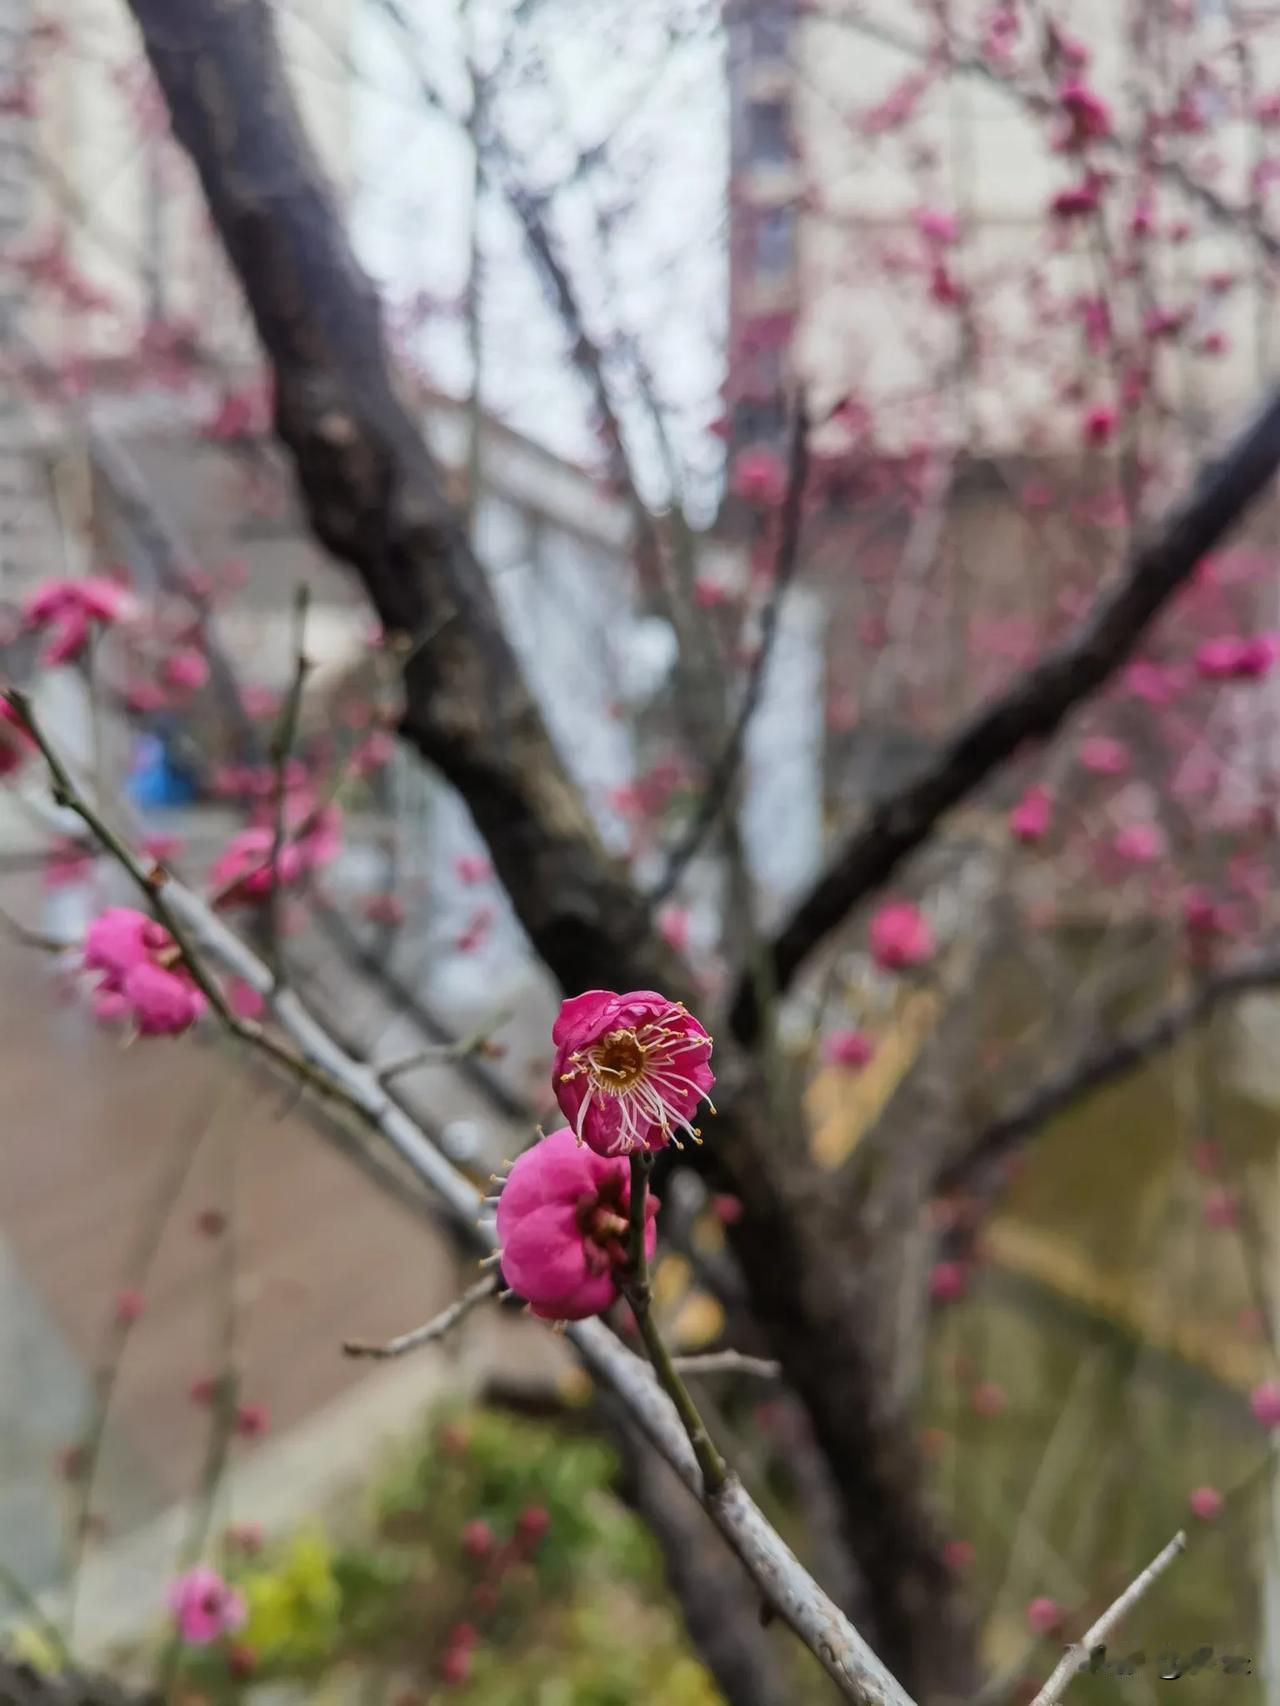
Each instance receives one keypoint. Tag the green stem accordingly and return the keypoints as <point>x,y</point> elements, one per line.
<point>639,1294</point>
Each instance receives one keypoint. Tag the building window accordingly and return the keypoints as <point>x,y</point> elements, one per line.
<point>769,133</point>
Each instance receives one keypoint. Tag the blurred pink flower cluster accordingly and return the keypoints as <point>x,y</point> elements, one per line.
<point>141,974</point>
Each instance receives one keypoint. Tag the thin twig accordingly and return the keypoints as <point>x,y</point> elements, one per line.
<point>153,883</point>
<point>29,938</point>
<point>778,1575</point>
<point>476,1042</point>
<point>728,1362</point>
<point>1076,1656</point>
<point>1033,708</point>
<point>1099,1066</point>
<point>432,1330</point>
<point>720,783</point>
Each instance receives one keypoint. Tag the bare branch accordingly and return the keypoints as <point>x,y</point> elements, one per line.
<point>1099,1066</point>
<point>318,1062</point>
<point>475,1042</point>
<point>432,1330</point>
<point>1030,710</point>
<point>1077,1656</point>
<point>719,784</point>
<point>728,1362</point>
<point>375,497</point>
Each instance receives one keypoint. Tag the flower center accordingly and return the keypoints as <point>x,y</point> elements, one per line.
<point>618,1061</point>
<point>605,1226</point>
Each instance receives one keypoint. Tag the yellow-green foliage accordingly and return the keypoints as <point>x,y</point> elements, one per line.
<point>576,1618</point>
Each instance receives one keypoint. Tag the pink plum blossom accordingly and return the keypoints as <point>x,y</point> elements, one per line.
<point>69,609</point>
<point>15,742</point>
<point>948,1281</point>
<point>205,1606</point>
<point>373,754</point>
<point>1138,843</point>
<point>1264,1401</point>
<point>260,701</point>
<point>759,477</point>
<point>478,1538</point>
<point>629,1070</point>
<point>958,1556</point>
<point>140,966</point>
<point>1221,1208</point>
<point>937,225</point>
<point>251,1420</point>
<point>162,1003</point>
<point>1044,1615</point>
<point>848,1048</point>
<point>1029,819</point>
<point>1088,116</point>
<point>1078,200</point>
<point>1201,914</point>
<point>901,937</point>
<point>186,669</point>
<point>1206,1503</point>
<point>1103,756</point>
<point>244,1000</point>
<point>987,1399</point>
<point>562,1227</point>
<point>128,1306</point>
<point>1231,658</point>
<point>1206,1157</point>
<point>110,1006</point>
<point>162,847</point>
<point>476,934</point>
<point>1099,424</point>
<point>249,866</point>
<point>67,863</point>
<point>384,908</point>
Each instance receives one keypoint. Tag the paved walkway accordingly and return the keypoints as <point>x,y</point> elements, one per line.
<point>108,1160</point>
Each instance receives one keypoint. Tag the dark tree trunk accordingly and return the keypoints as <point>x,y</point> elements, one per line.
<point>375,499</point>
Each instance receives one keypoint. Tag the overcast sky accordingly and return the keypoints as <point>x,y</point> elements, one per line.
<point>661,278</point>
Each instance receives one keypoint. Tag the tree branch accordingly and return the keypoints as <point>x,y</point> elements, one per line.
<point>1030,710</point>
<point>374,496</point>
<point>318,1063</point>
<point>1077,1656</point>
<point>719,785</point>
<point>1096,1067</point>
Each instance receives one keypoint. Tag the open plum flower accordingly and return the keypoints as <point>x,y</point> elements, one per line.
<point>630,1070</point>
<point>68,610</point>
<point>563,1226</point>
<point>205,1607</point>
<point>251,866</point>
<point>15,742</point>
<point>142,977</point>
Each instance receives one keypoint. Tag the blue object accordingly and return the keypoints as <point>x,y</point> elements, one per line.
<point>155,779</point>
